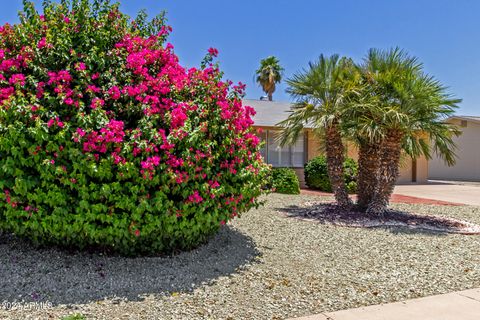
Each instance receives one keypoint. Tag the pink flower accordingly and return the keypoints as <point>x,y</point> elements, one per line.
<point>136,151</point>
<point>150,163</point>
<point>52,161</point>
<point>155,160</point>
<point>134,91</point>
<point>68,101</point>
<point>50,122</point>
<point>255,140</point>
<point>17,78</point>
<point>61,76</point>
<point>42,43</point>
<point>116,158</point>
<point>195,198</point>
<point>97,102</point>
<point>66,19</point>
<point>95,76</point>
<point>80,132</point>
<point>5,93</point>
<point>214,184</point>
<point>40,89</point>
<point>80,66</point>
<point>136,61</point>
<point>64,75</point>
<point>213,52</point>
<point>92,88</point>
<point>178,117</point>
<point>137,233</point>
<point>114,93</point>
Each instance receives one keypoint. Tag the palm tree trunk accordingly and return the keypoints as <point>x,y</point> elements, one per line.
<point>389,163</point>
<point>335,157</point>
<point>368,169</point>
<point>270,96</point>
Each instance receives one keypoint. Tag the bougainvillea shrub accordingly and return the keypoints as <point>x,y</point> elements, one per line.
<point>106,140</point>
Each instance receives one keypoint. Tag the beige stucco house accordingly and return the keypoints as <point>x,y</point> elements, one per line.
<point>467,165</point>
<point>269,113</point>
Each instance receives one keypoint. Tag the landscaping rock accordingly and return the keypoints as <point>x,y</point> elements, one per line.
<point>261,266</point>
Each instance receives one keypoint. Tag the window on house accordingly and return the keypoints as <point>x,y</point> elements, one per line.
<point>286,156</point>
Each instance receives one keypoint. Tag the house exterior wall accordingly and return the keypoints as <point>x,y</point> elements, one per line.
<point>313,145</point>
<point>313,149</point>
<point>423,167</point>
<point>467,165</point>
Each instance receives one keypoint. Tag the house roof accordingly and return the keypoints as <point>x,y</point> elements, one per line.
<point>468,118</point>
<point>269,113</point>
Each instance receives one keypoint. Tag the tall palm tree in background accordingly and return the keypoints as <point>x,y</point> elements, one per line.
<point>320,92</point>
<point>269,74</point>
<point>401,109</point>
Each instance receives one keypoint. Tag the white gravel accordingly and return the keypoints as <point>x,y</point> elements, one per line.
<point>261,266</point>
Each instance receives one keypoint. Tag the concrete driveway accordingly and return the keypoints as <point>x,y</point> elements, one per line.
<point>458,192</point>
<point>462,305</point>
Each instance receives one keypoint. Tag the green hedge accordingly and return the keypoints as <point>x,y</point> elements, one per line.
<point>285,180</point>
<point>316,174</point>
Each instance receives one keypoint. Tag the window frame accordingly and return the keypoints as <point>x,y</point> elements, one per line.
<point>270,133</point>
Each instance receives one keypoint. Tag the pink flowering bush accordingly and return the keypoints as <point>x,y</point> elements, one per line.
<point>106,140</point>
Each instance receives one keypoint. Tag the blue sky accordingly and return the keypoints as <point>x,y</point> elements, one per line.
<point>442,34</point>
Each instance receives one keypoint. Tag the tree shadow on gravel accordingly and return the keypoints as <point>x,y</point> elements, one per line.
<point>54,275</point>
<point>395,221</point>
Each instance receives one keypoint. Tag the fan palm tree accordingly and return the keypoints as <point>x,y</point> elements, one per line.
<point>269,74</point>
<point>402,111</point>
<point>320,92</point>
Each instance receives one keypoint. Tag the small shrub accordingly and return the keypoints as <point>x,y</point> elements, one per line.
<point>107,141</point>
<point>316,174</point>
<point>77,316</point>
<point>285,180</point>
<point>351,187</point>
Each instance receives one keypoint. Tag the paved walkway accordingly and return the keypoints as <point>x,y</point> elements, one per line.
<point>466,193</point>
<point>462,305</point>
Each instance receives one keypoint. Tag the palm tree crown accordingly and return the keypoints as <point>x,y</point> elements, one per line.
<point>320,92</point>
<point>268,74</point>
<point>401,110</point>
<point>402,97</point>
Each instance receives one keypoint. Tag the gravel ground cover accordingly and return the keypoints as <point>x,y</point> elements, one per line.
<point>261,266</point>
